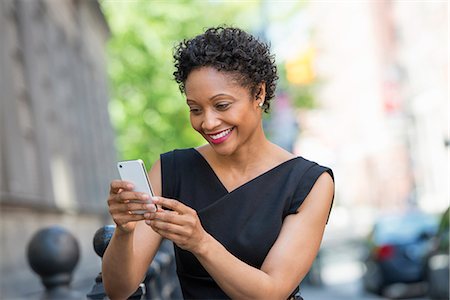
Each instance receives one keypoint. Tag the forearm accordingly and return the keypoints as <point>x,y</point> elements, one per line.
<point>118,276</point>
<point>236,278</point>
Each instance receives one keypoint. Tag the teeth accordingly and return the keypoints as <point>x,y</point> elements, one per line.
<point>219,135</point>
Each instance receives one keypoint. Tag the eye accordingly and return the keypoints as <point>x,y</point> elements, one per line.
<point>195,110</point>
<point>222,106</point>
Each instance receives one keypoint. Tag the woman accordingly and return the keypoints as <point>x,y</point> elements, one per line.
<point>246,217</point>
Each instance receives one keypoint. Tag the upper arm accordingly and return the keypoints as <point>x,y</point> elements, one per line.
<point>301,234</point>
<point>154,176</point>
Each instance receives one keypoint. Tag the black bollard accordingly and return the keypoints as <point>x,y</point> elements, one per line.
<point>101,239</point>
<point>53,254</point>
<point>100,242</point>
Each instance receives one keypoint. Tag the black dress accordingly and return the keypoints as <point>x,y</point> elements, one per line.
<point>246,221</point>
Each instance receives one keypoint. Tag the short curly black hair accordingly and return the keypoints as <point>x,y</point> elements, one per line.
<point>231,50</point>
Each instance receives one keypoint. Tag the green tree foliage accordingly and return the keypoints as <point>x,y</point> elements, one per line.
<point>302,96</point>
<point>147,109</point>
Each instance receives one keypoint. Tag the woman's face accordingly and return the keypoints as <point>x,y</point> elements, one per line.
<point>221,110</point>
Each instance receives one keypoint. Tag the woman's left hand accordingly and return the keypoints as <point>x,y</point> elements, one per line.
<point>181,224</point>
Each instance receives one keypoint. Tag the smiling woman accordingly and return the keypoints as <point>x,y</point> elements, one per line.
<point>246,217</point>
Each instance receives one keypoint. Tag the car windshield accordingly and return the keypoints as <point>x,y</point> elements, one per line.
<point>404,228</point>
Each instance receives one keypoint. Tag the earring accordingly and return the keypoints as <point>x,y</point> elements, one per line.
<point>261,104</point>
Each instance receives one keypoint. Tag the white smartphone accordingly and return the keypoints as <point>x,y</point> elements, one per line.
<point>134,171</point>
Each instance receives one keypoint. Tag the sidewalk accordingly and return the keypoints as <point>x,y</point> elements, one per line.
<point>341,292</point>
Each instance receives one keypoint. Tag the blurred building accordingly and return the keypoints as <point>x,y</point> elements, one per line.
<point>382,116</point>
<point>56,142</point>
<point>422,52</point>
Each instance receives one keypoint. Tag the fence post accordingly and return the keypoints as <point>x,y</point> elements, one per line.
<point>53,254</point>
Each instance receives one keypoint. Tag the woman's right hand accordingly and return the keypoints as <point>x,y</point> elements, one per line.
<point>123,203</point>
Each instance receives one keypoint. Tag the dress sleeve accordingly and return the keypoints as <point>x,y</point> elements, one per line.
<point>305,185</point>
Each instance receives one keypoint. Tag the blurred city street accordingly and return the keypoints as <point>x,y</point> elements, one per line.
<point>341,271</point>
<point>363,89</point>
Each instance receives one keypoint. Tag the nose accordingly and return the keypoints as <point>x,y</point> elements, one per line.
<point>210,121</point>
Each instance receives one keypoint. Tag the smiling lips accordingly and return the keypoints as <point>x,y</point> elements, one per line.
<point>220,137</point>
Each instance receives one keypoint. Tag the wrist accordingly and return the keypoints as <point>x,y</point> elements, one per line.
<point>203,246</point>
<point>122,231</point>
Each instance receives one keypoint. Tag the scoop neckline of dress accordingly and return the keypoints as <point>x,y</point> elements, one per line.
<point>247,182</point>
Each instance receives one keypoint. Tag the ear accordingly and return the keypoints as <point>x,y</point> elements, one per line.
<point>260,92</point>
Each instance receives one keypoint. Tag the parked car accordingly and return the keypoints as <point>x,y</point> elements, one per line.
<point>437,261</point>
<point>396,248</point>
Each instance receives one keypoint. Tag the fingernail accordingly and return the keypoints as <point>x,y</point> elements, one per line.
<point>130,186</point>
<point>147,222</point>
<point>145,197</point>
<point>151,207</point>
<point>154,198</point>
<point>146,215</point>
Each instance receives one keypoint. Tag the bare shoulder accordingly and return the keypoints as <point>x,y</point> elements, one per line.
<point>325,183</point>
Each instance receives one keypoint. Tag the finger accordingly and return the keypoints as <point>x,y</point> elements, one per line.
<point>169,217</point>
<point>171,204</point>
<point>159,210</point>
<point>126,197</point>
<point>125,218</point>
<point>131,208</point>
<point>161,226</point>
<point>150,214</point>
<point>117,185</point>
<point>134,207</point>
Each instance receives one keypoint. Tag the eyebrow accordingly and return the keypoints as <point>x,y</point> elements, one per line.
<point>212,98</point>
